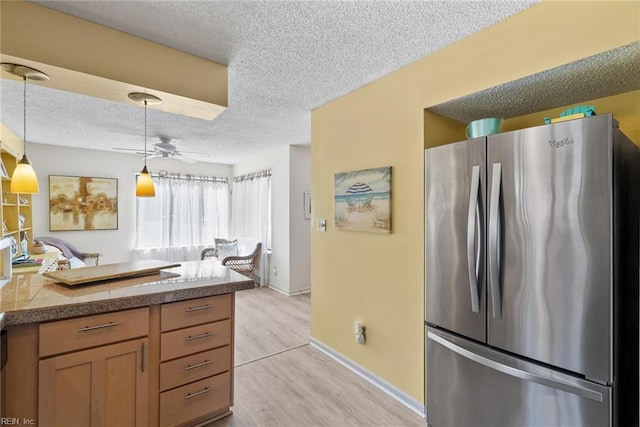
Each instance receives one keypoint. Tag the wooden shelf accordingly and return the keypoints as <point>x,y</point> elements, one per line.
<point>13,209</point>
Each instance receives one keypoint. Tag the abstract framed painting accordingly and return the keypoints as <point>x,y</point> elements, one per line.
<point>82,203</point>
<point>362,200</point>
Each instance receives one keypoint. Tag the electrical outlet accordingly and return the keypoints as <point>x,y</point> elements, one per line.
<point>275,271</point>
<point>357,327</point>
<point>360,331</point>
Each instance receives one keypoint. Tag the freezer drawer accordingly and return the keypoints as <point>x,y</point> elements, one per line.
<point>473,385</point>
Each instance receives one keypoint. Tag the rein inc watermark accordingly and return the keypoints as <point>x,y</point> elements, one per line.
<point>17,422</point>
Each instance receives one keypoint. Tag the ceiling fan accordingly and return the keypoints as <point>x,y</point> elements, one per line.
<point>166,148</point>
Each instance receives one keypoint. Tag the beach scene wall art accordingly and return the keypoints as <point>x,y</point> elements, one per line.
<point>363,200</point>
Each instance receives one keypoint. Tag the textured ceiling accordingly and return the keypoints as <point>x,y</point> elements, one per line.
<point>609,73</point>
<point>285,58</point>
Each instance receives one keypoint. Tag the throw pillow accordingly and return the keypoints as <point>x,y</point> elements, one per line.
<point>76,262</point>
<point>218,241</point>
<point>227,249</point>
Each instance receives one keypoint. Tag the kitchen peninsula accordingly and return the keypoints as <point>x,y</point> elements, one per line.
<point>149,350</point>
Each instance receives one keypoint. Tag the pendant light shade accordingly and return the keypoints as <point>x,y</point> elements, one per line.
<point>24,179</point>
<point>144,186</point>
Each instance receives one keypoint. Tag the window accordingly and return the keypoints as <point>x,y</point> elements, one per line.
<point>251,212</point>
<point>183,218</point>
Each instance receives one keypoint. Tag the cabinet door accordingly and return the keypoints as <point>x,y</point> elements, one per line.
<point>104,386</point>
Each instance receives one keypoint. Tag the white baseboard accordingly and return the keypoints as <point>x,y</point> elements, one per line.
<point>383,385</point>
<point>289,294</point>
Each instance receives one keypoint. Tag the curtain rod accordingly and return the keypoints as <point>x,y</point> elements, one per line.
<point>252,175</point>
<point>189,177</point>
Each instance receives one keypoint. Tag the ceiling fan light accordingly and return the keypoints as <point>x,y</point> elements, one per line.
<point>144,186</point>
<point>24,179</point>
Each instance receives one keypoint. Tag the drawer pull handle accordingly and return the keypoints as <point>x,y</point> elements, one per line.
<point>197,365</point>
<point>93,328</point>
<point>202,307</point>
<point>203,391</point>
<point>143,356</point>
<point>195,337</point>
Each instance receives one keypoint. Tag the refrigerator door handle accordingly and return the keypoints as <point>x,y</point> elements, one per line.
<point>494,244</point>
<point>517,373</point>
<point>473,258</point>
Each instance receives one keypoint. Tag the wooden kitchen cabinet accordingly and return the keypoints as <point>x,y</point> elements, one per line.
<point>184,404</point>
<point>104,386</point>
<point>81,333</point>
<point>196,354</point>
<point>93,370</point>
<point>162,365</point>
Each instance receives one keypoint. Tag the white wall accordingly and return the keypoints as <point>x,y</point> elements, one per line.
<point>290,178</point>
<point>286,213</point>
<point>115,245</point>
<point>299,228</point>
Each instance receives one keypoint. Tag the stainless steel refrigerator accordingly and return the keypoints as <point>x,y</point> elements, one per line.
<point>531,278</point>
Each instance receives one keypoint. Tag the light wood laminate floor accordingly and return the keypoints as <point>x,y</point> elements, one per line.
<point>268,322</point>
<point>282,381</point>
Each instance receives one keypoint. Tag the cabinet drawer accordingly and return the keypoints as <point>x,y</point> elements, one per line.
<point>193,312</point>
<point>195,400</point>
<point>195,367</point>
<point>195,339</point>
<point>84,332</point>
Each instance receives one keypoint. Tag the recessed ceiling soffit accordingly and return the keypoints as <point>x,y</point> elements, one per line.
<point>609,73</point>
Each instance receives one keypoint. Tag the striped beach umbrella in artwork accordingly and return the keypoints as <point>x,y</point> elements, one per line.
<point>360,192</point>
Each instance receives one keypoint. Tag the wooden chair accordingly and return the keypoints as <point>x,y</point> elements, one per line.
<point>70,251</point>
<point>213,252</point>
<point>245,264</point>
<point>209,253</point>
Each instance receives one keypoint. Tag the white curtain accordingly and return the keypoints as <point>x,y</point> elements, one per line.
<point>251,213</point>
<point>183,218</point>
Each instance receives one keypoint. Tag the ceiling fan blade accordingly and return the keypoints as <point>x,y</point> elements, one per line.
<point>125,149</point>
<point>156,147</point>
<point>185,159</point>
<point>194,153</point>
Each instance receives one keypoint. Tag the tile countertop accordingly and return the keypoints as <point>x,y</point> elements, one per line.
<point>33,298</point>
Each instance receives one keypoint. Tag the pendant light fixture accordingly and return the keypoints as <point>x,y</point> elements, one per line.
<point>24,179</point>
<point>144,186</point>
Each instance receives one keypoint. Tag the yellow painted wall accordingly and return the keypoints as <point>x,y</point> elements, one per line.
<point>379,278</point>
<point>625,108</point>
<point>10,142</point>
